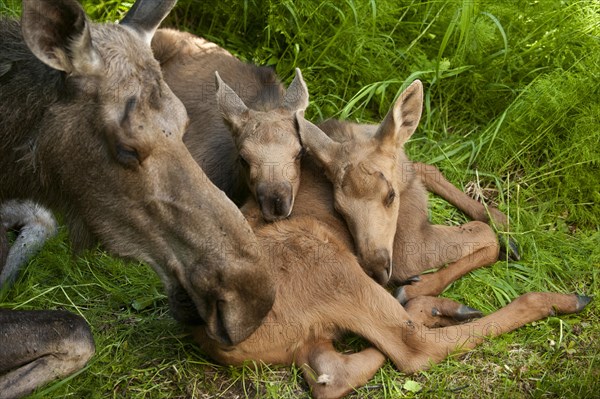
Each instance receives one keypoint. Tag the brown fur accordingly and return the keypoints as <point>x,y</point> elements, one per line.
<point>322,293</point>
<point>244,136</point>
<point>90,128</point>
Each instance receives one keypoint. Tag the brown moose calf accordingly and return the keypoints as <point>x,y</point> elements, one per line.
<point>322,292</point>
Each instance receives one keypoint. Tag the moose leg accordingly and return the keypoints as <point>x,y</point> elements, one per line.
<point>436,183</point>
<point>37,347</point>
<point>36,225</point>
<point>331,374</point>
<point>467,247</point>
<point>413,347</point>
<point>434,312</point>
<point>433,345</point>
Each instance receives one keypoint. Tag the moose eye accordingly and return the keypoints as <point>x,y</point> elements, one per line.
<point>244,163</point>
<point>389,199</point>
<point>300,153</point>
<point>129,107</point>
<point>127,156</point>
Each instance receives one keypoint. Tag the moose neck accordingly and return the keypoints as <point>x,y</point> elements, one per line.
<point>315,198</point>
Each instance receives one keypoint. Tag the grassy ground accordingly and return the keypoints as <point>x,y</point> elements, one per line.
<point>512,115</point>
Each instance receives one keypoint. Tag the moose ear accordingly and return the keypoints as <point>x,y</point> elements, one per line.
<point>231,106</point>
<point>316,142</point>
<point>402,120</point>
<point>145,16</point>
<point>296,95</point>
<point>58,33</point>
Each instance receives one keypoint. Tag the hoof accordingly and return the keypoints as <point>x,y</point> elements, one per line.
<point>508,250</point>
<point>466,313</point>
<point>400,296</point>
<point>582,302</point>
<point>410,280</point>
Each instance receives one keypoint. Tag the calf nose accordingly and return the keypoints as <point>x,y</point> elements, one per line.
<point>380,266</point>
<point>275,200</point>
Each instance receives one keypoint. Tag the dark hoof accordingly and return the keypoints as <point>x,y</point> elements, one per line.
<point>508,250</point>
<point>582,302</point>
<point>400,295</point>
<point>410,280</point>
<point>467,313</point>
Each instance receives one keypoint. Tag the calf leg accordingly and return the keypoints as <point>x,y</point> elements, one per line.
<point>37,347</point>
<point>381,320</point>
<point>467,247</point>
<point>36,225</point>
<point>331,374</point>
<point>436,183</point>
<point>434,312</point>
<point>433,345</point>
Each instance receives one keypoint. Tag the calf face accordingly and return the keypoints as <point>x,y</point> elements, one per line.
<point>268,145</point>
<point>364,171</point>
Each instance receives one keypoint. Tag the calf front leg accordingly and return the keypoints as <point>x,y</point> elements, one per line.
<point>331,374</point>
<point>465,248</point>
<point>37,347</point>
<point>433,345</point>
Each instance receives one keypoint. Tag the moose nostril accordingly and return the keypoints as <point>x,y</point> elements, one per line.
<point>382,264</point>
<point>381,276</point>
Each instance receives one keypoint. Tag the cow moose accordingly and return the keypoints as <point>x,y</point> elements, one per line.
<point>322,292</point>
<point>89,128</point>
<point>245,137</point>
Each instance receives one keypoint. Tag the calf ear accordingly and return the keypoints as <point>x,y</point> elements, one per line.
<point>145,16</point>
<point>231,106</point>
<point>58,33</point>
<point>316,142</point>
<point>296,95</point>
<point>402,120</point>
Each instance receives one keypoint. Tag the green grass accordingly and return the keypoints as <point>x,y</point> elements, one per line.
<point>511,108</point>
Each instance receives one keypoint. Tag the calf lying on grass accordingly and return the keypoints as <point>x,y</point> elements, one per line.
<point>322,292</point>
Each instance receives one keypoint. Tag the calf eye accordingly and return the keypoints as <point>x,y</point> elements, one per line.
<point>389,199</point>
<point>300,153</point>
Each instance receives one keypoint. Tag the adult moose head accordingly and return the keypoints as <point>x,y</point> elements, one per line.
<point>90,128</point>
<point>364,170</point>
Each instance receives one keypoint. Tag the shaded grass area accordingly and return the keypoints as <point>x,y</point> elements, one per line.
<point>511,114</point>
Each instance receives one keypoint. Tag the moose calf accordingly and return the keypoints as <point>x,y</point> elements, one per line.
<point>245,137</point>
<point>323,292</point>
